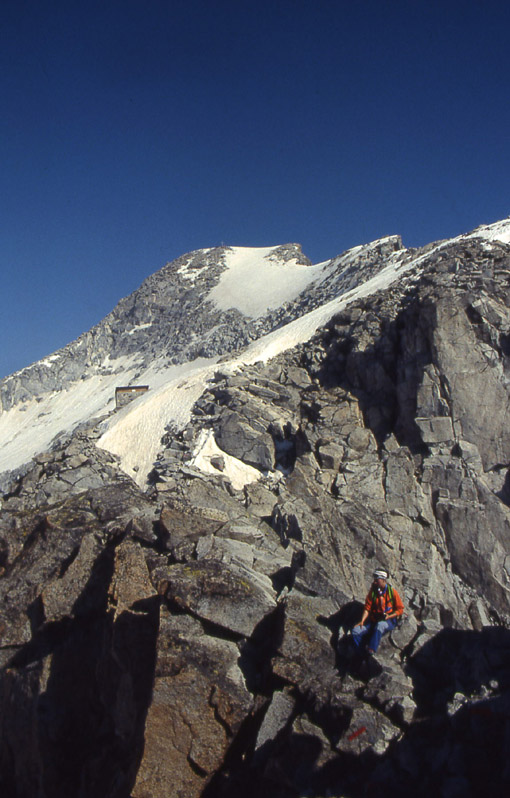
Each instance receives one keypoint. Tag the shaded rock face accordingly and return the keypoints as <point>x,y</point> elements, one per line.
<point>193,640</point>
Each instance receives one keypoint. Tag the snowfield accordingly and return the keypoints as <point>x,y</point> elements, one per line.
<point>253,283</point>
<point>499,231</point>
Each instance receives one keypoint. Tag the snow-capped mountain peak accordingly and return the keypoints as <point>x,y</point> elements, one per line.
<point>236,303</point>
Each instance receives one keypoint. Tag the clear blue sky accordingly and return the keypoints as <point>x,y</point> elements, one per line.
<point>133,131</point>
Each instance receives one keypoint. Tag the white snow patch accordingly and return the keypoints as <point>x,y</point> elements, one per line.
<point>255,281</point>
<point>239,473</point>
<point>30,427</point>
<point>48,361</point>
<point>139,327</point>
<point>192,276</point>
<point>499,231</point>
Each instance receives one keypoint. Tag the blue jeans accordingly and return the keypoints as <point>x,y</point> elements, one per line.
<point>376,629</point>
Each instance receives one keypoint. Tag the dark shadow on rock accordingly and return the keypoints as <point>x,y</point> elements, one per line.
<point>344,619</point>
<point>459,660</point>
<point>287,767</point>
<point>86,725</point>
<point>504,493</point>
<point>285,577</point>
<point>356,662</point>
<point>285,449</point>
<point>286,525</point>
<point>456,746</point>
<point>43,643</point>
<point>255,664</point>
<point>385,375</point>
<point>258,651</point>
<point>294,754</point>
<point>35,614</point>
<point>459,743</point>
<point>340,624</point>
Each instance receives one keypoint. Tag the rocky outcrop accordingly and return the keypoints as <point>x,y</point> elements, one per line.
<point>193,639</point>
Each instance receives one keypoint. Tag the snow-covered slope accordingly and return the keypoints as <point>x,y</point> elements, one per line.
<point>253,285</point>
<point>499,231</point>
<point>237,304</point>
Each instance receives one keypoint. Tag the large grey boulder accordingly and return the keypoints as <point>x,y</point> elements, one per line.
<point>238,438</point>
<point>202,587</point>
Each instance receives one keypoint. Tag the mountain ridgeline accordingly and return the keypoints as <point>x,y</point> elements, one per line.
<point>170,317</point>
<point>178,577</point>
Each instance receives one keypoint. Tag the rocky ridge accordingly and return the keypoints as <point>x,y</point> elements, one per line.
<point>194,637</point>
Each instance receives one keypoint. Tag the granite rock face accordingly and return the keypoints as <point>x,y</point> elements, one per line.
<point>193,639</point>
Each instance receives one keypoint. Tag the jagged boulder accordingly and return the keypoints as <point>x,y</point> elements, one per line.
<point>238,438</point>
<point>235,598</point>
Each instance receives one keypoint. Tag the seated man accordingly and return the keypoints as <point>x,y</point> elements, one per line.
<point>383,606</point>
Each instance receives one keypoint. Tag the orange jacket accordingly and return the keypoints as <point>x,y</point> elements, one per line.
<point>378,605</point>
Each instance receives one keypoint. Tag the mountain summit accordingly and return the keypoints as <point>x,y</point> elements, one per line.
<point>204,305</point>
<point>179,573</point>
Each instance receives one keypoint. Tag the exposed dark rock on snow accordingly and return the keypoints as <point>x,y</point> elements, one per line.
<point>192,639</point>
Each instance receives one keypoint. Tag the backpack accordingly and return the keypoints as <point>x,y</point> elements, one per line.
<point>373,596</point>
